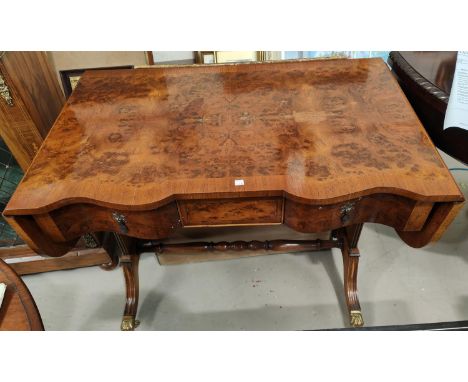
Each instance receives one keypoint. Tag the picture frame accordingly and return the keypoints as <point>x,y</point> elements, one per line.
<point>225,57</point>
<point>149,57</point>
<point>70,78</point>
<point>170,58</point>
<point>206,57</point>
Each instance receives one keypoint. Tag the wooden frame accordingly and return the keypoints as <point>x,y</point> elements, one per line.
<point>25,261</point>
<point>149,57</point>
<point>213,57</point>
<point>19,310</point>
<point>30,101</point>
<point>205,57</point>
<point>428,92</point>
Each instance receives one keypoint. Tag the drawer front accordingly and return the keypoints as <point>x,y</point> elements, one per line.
<point>231,212</point>
<point>395,211</point>
<point>75,220</point>
<point>70,222</point>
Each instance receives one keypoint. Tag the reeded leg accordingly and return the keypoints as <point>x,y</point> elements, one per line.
<point>350,252</point>
<point>129,259</point>
<point>109,243</point>
<point>130,268</point>
<point>350,263</point>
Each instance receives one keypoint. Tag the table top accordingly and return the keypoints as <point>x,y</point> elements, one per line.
<point>319,131</point>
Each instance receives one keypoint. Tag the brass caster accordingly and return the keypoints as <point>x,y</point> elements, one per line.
<point>129,323</point>
<point>356,318</point>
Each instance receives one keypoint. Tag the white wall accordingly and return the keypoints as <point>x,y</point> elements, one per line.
<point>172,56</point>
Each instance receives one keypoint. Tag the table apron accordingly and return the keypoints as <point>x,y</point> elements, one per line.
<point>70,222</point>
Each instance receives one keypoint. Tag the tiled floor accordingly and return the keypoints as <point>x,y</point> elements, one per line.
<point>397,285</point>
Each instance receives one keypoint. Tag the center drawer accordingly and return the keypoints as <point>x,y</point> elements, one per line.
<point>217,212</point>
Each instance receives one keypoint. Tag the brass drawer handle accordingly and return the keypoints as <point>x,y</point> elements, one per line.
<point>121,221</point>
<point>345,212</point>
<point>5,92</point>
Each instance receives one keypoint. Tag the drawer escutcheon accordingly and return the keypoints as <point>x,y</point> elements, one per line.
<point>121,221</point>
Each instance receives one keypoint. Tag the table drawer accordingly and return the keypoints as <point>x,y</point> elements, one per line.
<point>75,220</point>
<point>231,212</point>
<point>72,221</point>
<point>396,211</point>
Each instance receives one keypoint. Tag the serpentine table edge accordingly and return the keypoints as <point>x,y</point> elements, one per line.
<point>314,145</point>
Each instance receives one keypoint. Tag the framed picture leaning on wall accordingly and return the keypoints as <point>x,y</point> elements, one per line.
<point>70,78</point>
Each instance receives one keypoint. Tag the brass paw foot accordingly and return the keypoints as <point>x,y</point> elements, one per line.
<point>356,318</point>
<point>129,323</point>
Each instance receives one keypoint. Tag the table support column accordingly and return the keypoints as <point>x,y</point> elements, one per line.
<point>130,269</point>
<point>123,251</point>
<point>350,237</point>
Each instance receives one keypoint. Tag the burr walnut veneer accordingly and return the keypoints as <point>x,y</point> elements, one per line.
<point>315,145</point>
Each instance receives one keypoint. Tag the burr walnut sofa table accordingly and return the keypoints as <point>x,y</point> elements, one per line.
<point>318,146</point>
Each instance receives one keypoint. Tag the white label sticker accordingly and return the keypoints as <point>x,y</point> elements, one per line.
<point>457,109</point>
<point>238,182</point>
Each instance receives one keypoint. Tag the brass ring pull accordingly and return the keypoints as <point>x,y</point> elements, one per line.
<point>345,212</point>
<point>121,221</point>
